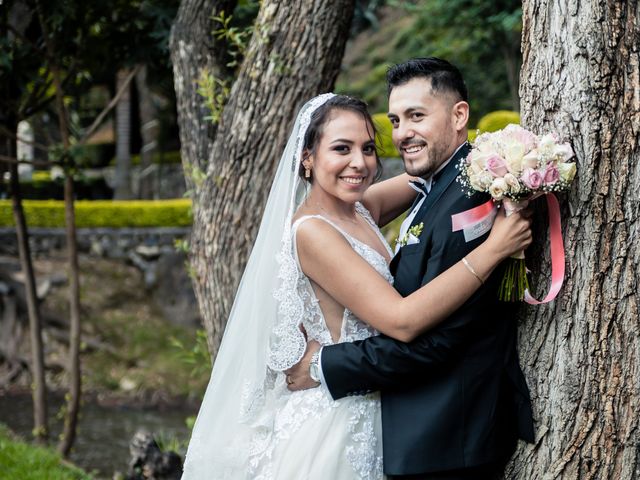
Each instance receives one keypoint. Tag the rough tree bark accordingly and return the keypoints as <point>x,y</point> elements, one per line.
<point>581,353</point>
<point>294,54</point>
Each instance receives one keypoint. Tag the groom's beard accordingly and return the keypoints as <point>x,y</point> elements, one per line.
<point>434,155</point>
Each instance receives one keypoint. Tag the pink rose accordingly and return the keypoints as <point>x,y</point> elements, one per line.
<point>551,174</point>
<point>532,178</point>
<point>496,166</point>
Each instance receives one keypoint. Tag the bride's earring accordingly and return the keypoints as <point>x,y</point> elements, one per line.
<point>307,172</point>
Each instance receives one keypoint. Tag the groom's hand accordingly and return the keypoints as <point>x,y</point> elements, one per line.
<point>298,376</point>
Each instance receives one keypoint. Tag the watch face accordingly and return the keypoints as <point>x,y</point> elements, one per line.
<point>313,372</point>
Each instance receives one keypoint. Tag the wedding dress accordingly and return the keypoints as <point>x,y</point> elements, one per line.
<point>309,435</point>
<point>249,425</point>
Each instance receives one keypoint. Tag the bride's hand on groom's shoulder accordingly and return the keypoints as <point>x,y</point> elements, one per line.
<point>298,377</point>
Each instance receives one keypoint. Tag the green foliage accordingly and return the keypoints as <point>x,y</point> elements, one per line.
<point>22,460</point>
<point>91,41</point>
<point>237,38</point>
<point>481,37</point>
<point>384,142</point>
<point>134,213</point>
<point>215,92</point>
<point>196,357</point>
<point>494,121</point>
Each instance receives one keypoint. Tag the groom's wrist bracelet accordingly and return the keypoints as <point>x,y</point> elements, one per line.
<point>470,268</point>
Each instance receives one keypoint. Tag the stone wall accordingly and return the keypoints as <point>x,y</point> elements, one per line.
<point>151,250</point>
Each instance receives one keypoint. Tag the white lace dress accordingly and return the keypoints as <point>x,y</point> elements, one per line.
<point>309,436</point>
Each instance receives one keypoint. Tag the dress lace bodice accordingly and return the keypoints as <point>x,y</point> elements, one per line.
<point>313,319</point>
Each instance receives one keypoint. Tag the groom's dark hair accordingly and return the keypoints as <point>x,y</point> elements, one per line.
<point>445,77</point>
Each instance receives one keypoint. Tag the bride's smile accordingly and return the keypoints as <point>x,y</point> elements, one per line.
<point>344,164</point>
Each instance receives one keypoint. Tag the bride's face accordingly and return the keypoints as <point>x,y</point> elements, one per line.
<point>344,163</point>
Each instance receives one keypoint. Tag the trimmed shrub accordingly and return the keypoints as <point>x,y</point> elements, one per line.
<point>494,121</point>
<point>103,213</point>
<point>383,138</point>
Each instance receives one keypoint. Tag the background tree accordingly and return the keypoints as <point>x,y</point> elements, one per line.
<point>581,353</point>
<point>294,53</point>
<point>15,57</point>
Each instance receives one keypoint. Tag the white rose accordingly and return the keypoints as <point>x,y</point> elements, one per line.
<point>547,143</point>
<point>481,181</point>
<point>478,161</point>
<point>513,153</point>
<point>564,151</point>
<point>530,160</point>
<point>498,188</point>
<point>567,171</point>
<point>513,183</point>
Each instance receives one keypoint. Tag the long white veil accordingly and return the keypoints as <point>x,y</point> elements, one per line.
<point>261,337</point>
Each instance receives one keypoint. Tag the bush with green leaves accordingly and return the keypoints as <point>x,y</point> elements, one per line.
<point>494,121</point>
<point>94,214</point>
<point>384,143</point>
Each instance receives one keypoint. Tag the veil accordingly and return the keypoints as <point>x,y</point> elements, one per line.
<point>262,336</point>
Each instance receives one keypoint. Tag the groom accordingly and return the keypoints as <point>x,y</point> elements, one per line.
<point>454,401</point>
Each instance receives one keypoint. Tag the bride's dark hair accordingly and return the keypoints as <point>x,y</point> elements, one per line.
<point>320,117</point>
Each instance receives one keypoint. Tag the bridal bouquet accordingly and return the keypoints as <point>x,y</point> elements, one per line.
<point>514,166</point>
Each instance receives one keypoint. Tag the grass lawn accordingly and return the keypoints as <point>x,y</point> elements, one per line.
<point>21,460</point>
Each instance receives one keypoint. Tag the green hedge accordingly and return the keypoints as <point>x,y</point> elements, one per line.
<point>494,121</point>
<point>21,460</point>
<point>383,137</point>
<point>103,213</point>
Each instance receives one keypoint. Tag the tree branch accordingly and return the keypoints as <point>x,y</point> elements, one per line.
<point>4,130</point>
<point>114,101</point>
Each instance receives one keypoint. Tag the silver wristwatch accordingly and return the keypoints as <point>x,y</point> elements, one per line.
<point>314,368</point>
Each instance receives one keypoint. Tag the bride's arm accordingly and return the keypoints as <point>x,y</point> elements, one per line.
<point>386,200</point>
<point>328,259</point>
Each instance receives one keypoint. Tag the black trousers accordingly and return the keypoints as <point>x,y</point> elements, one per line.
<point>491,471</point>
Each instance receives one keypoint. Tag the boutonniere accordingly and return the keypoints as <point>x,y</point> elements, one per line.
<point>411,237</point>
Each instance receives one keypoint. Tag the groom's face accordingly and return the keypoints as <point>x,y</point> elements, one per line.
<point>424,126</point>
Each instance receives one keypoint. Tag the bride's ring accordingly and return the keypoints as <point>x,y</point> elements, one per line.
<point>289,381</point>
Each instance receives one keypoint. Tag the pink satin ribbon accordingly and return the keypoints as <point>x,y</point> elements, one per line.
<point>462,220</point>
<point>557,253</point>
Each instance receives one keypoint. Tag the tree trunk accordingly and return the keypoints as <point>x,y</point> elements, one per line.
<point>122,190</point>
<point>149,128</point>
<point>193,51</point>
<point>39,387</point>
<point>75,386</point>
<point>295,54</point>
<point>73,369</point>
<point>581,353</point>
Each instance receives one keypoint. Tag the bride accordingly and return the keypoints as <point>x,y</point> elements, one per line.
<point>250,426</point>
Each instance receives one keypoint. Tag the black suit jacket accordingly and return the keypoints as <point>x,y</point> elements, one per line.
<point>455,397</point>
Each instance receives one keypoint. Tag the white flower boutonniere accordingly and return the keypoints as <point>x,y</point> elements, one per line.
<point>411,237</point>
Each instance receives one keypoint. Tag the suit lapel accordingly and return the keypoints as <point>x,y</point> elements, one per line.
<point>442,182</point>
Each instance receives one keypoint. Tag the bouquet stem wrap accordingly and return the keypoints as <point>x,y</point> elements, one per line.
<point>514,286</point>
<point>514,283</point>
